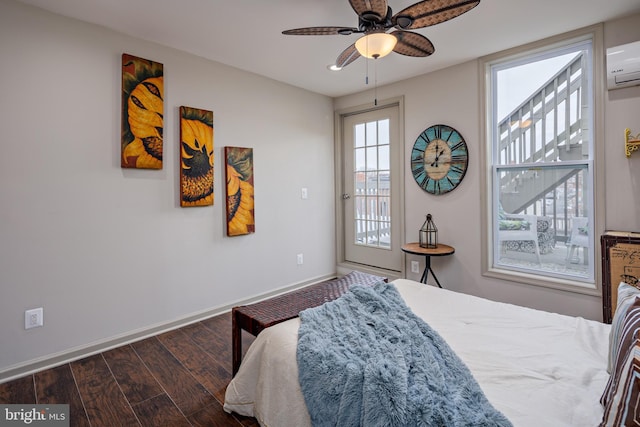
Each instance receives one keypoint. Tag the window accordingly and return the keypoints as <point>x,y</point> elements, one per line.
<point>540,155</point>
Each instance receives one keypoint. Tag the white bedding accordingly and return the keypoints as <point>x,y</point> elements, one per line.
<point>537,368</point>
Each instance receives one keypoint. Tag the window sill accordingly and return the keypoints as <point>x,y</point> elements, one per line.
<point>544,281</point>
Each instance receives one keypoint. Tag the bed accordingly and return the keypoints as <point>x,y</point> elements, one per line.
<point>536,368</point>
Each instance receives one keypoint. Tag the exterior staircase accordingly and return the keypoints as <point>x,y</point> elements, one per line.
<point>548,126</point>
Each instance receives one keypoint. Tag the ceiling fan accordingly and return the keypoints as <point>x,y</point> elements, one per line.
<point>375,18</point>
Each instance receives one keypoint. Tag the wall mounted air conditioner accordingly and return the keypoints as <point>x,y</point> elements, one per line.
<point>623,65</point>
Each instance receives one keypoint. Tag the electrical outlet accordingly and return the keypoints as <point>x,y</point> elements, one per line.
<point>300,259</point>
<point>304,193</point>
<point>33,318</point>
<point>415,267</point>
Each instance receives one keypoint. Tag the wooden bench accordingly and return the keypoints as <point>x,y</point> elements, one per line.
<point>254,318</point>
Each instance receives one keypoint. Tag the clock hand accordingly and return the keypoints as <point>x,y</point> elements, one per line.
<point>435,161</point>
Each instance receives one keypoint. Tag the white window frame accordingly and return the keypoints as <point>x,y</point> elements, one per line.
<point>490,189</point>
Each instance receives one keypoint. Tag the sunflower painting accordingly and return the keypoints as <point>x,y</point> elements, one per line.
<point>142,113</point>
<point>240,210</point>
<point>196,157</point>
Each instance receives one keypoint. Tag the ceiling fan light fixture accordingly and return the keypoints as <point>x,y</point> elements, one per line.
<point>376,45</point>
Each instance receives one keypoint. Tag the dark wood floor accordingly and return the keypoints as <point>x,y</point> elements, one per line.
<point>174,379</point>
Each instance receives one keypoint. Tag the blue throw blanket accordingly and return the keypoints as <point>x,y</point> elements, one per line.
<point>366,359</point>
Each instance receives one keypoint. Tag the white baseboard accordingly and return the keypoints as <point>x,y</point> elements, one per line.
<point>56,359</point>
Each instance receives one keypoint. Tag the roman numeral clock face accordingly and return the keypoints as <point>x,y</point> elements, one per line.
<point>439,159</point>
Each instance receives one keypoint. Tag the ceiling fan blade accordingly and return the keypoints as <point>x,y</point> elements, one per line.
<point>370,10</point>
<point>431,12</point>
<point>347,56</point>
<point>320,31</point>
<point>412,44</point>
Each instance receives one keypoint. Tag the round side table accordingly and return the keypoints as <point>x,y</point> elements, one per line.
<point>440,250</point>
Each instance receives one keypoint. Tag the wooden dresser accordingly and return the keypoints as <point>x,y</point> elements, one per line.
<point>620,263</point>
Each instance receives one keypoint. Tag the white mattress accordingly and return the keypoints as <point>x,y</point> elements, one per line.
<point>537,368</point>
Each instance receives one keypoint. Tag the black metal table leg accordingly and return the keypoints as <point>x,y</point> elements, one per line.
<point>425,275</point>
<point>440,249</point>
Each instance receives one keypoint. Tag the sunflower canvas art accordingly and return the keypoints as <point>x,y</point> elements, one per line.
<point>196,157</point>
<point>240,208</point>
<point>142,113</point>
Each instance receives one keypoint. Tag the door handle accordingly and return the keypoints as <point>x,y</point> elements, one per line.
<point>346,196</point>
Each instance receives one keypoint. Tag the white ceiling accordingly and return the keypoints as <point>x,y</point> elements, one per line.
<point>247,34</point>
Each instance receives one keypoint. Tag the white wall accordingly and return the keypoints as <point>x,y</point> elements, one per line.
<point>108,251</point>
<point>451,97</point>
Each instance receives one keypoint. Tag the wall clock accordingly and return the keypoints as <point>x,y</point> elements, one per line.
<point>439,159</point>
